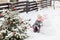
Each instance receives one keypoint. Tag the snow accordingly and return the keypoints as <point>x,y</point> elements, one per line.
<point>51,26</point>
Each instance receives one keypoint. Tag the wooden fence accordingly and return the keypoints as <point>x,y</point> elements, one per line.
<point>24,6</point>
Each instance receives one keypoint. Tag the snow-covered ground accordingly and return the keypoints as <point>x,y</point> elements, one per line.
<point>51,26</point>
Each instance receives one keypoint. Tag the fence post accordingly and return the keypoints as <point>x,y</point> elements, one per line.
<point>37,5</point>
<point>27,8</point>
<point>8,5</point>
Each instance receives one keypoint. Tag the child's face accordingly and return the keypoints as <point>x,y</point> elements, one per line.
<point>39,17</point>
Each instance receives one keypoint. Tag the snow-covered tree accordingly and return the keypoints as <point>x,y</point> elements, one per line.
<point>13,28</point>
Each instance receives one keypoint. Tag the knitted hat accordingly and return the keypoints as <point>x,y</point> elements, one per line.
<point>40,17</point>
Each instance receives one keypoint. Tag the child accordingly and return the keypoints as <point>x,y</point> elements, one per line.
<point>38,23</point>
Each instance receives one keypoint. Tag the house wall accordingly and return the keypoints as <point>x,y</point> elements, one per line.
<point>4,1</point>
